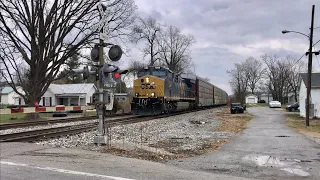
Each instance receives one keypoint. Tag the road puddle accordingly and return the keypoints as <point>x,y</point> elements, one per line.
<point>288,165</point>
<point>298,172</point>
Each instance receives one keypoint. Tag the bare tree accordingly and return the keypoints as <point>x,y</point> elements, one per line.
<point>43,34</point>
<point>147,30</point>
<point>239,81</point>
<point>175,49</point>
<point>136,66</point>
<point>207,79</point>
<point>254,71</point>
<point>278,73</point>
<point>295,68</point>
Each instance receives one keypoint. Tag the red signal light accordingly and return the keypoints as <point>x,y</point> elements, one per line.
<point>116,75</point>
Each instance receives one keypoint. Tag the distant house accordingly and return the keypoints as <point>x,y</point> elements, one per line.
<point>251,99</point>
<point>9,97</point>
<point>266,97</point>
<point>68,95</point>
<point>291,98</point>
<point>315,94</point>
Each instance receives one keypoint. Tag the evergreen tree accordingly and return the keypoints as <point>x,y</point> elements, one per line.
<point>67,76</point>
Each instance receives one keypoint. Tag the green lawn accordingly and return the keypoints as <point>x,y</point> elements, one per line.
<point>20,117</point>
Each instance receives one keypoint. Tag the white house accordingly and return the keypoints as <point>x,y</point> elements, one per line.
<point>291,97</point>
<point>68,95</point>
<point>251,99</point>
<point>315,94</point>
<point>266,97</point>
<point>9,97</point>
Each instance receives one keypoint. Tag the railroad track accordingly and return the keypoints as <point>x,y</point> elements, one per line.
<point>34,135</point>
<point>4,126</point>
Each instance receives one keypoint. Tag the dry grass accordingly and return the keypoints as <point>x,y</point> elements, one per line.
<point>233,123</point>
<point>299,124</point>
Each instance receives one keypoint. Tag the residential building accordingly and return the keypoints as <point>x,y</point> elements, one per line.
<point>315,94</point>
<point>9,97</point>
<point>266,97</point>
<point>68,95</point>
<point>251,99</point>
<point>291,97</point>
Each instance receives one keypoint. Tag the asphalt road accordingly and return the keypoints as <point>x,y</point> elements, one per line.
<point>267,149</point>
<point>25,161</point>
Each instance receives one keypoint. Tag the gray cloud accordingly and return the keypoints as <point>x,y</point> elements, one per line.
<point>228,31</point>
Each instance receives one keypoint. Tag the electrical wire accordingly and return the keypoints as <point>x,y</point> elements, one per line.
<point>304,54</point>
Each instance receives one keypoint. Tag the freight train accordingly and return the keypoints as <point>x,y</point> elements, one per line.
<point>159,90</point>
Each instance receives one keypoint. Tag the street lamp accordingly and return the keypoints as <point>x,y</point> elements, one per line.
<point>309,64</point>
<point>286,31</point>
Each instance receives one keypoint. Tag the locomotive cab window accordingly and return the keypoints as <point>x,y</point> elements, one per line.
<point>143,73</point>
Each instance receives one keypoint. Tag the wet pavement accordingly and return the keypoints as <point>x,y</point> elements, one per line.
<point>267,149</point>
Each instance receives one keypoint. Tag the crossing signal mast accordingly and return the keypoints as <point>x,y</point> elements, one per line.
<point>105,74</point>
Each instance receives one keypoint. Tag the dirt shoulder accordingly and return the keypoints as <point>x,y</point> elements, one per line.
<point>298,123</point>
<point>200,137</point>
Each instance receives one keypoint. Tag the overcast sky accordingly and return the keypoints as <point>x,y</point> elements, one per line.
<point>229,31</point>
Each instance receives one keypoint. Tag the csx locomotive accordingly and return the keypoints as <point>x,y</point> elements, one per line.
<point>159,90</point>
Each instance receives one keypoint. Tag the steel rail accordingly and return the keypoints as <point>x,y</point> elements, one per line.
<point>4,126</point>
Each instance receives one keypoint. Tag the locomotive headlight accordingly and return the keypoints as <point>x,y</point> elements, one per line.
<point>152,84</point>
<point>147,80</point>
<point>152,94</point>
<point>137,94</point>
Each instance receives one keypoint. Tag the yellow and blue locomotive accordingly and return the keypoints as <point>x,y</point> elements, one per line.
<point>159,90</point>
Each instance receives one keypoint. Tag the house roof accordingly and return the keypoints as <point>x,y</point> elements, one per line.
<point>6,90</point>
<point>71,88</point>
<point>315,79</point>
<point>251,95</point>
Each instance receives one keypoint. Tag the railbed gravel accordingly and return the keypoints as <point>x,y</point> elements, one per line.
<point>184,132</point>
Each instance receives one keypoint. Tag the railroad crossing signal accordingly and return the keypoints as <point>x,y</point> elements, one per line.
<point>115,52</point>
<point>85,72</point>
<point>117,75</point>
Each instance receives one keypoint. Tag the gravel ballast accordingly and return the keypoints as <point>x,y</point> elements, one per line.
<point>169,135</point>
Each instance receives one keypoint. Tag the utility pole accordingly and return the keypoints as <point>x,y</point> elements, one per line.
<point>309,69</point>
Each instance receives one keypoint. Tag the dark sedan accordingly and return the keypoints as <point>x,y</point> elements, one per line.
<point>294,106</point>
<point>236,108</point>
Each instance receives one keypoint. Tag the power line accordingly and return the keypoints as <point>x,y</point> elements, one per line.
<point>304,54</point>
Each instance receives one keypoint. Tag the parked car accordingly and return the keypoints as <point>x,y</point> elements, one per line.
<point>275,104</point>
<point>236,108</point>
<point>294,106</point>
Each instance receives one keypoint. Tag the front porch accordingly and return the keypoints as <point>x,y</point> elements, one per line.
<point>71,99</point>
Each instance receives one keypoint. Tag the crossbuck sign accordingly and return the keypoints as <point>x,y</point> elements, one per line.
<point>102,25</point>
